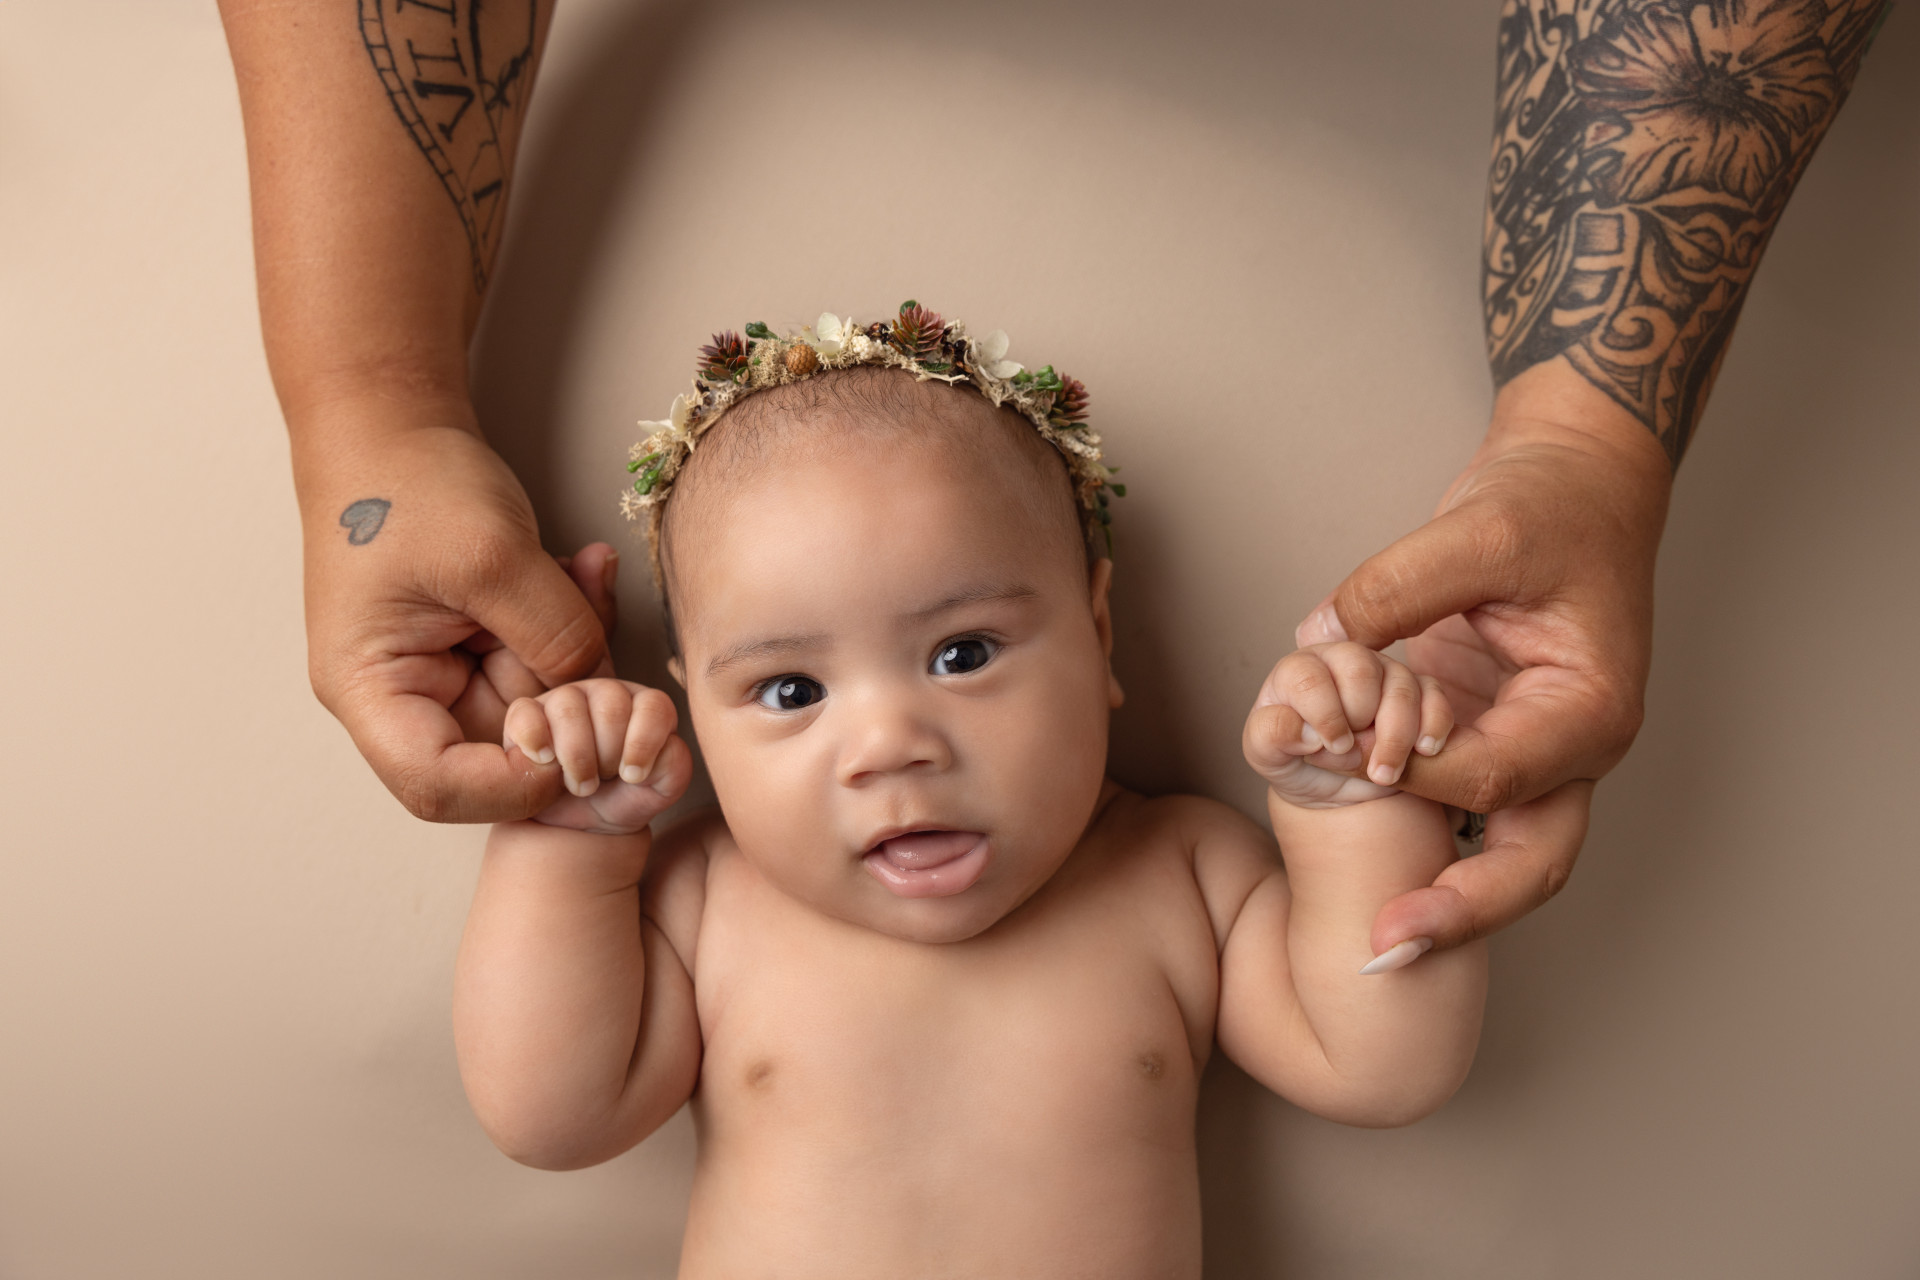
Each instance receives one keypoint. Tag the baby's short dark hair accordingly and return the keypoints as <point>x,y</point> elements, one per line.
<point>822,412</point>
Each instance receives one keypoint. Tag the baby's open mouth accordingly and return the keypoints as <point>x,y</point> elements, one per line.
<point>928,864</point>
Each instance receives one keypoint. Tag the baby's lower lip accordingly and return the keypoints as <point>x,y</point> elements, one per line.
<point>929,864</point>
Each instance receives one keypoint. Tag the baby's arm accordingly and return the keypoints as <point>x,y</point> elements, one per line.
<point>573,1016</point>
<point>1296,1010</point>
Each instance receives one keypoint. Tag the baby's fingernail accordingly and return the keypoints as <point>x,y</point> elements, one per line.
<point>1428,745</point>
<point>633,774</point>
<point>610,570</point>
<point>1341,745</point>
<point>1398,956</point>
<point>583,787</point>
<point>543,756</point>
<point>1309,737</point>
<point>1384,775</point>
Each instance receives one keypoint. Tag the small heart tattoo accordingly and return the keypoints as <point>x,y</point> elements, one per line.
<point>363,519</point>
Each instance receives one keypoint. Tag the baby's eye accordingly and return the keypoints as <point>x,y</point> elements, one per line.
<point>790,693</point>
<point>957,657</point>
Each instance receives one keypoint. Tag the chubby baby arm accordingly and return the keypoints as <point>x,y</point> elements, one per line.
<point>1376,1048</point>
<point>573,1016</point>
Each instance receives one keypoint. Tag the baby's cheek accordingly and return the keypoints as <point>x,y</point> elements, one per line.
<point>1049,757</point>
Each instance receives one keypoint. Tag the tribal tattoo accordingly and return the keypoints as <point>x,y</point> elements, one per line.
<point>1642,153</point>
<point>461,97</point>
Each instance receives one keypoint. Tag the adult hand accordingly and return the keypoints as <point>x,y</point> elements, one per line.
<point>431,606</point>
<point>1529,596</point>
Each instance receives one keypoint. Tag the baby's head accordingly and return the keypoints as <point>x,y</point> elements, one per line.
<point>894,642</point>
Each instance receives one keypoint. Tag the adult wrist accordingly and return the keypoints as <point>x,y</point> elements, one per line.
<point>1552,405</point>
<point>353,441</point>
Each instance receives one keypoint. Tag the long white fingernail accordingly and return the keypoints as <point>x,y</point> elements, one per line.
<point>1310,737</point>
<point>1397,956</point>
<point>1321,627</point>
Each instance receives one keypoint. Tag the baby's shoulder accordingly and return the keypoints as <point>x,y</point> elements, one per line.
<point>1195,826</point>
<point>673,893</point>
<point>1225,853</point>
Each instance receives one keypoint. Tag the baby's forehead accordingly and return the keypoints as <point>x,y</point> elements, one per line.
<point>948,435</point>
<point>928,444</point>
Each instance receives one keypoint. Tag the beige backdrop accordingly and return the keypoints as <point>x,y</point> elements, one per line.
<point>225,953</point>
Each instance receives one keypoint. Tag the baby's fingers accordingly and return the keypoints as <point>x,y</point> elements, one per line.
<point>570,713</point>
<point>1271,741</point>
<point>1436,717</point>
<point>527,728</point>
<point>1303,682</point>
<point>649,723</point>
<point>1396,723</point>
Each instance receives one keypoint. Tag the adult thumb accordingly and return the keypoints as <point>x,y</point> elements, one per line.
<point>1452,563</point>
<point>536,610</point>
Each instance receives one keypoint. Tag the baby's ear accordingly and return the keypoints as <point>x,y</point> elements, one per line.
<point>1100,582</point>
<point>678,670</point>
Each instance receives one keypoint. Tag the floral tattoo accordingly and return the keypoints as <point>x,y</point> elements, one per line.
<point>1643,151</point>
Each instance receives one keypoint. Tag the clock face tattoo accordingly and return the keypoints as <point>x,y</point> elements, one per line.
<point>458,73</point>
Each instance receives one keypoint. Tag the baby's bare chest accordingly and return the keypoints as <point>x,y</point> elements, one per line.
<point>1081,1021</point>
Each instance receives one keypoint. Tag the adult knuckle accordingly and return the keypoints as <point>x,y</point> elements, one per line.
<point>1490,787</point>
<point>422,796</point>
<point>1502,531</point>
<point>1554,877</point>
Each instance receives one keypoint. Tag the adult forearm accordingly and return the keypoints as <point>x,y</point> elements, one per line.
<point>380,137</point>
<point>1642,155</point>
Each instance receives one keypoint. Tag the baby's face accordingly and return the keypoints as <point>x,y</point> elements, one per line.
<point>898,677</point>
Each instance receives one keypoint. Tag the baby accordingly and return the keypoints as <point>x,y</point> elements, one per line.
<point>939,991</point>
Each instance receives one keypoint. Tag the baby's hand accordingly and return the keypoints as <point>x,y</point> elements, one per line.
<point>1305,723</point>
<point>604,729</point>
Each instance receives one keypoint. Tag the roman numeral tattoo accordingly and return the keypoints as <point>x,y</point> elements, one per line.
<point>436,68</point>
<point>1642,153</point>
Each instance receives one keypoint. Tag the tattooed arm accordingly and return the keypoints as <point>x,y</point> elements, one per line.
<point>380,142</point>
<point>1643,152</point>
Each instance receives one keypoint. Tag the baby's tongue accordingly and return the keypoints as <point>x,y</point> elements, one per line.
<point>922,849</point>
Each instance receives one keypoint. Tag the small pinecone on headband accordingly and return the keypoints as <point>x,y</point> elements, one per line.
<point>917,331</point>
<point>801,360</point>
<point>725,358</point>
<point>1069,407</point>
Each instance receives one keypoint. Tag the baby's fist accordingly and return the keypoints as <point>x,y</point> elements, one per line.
<point>1303,733</point>
<point>615,745</point>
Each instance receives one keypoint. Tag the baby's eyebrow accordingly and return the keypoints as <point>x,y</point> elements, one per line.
<point>750,650</point>
<point>982,594</point>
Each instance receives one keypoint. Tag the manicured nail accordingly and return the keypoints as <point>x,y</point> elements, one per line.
<point>1310,737</point>
<point>1321,627</point>
<point>632,774</point>
<point>1398,956</point>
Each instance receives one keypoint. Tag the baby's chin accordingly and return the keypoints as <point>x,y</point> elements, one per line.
<point>863,900</point>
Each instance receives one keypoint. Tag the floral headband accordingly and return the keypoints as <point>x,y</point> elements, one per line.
<point>917,340</point>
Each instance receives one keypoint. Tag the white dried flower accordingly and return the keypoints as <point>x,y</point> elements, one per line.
<point>828,334</point>
<point>989,353</point>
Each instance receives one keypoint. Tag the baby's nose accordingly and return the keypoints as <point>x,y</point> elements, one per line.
<point>889,736</point>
